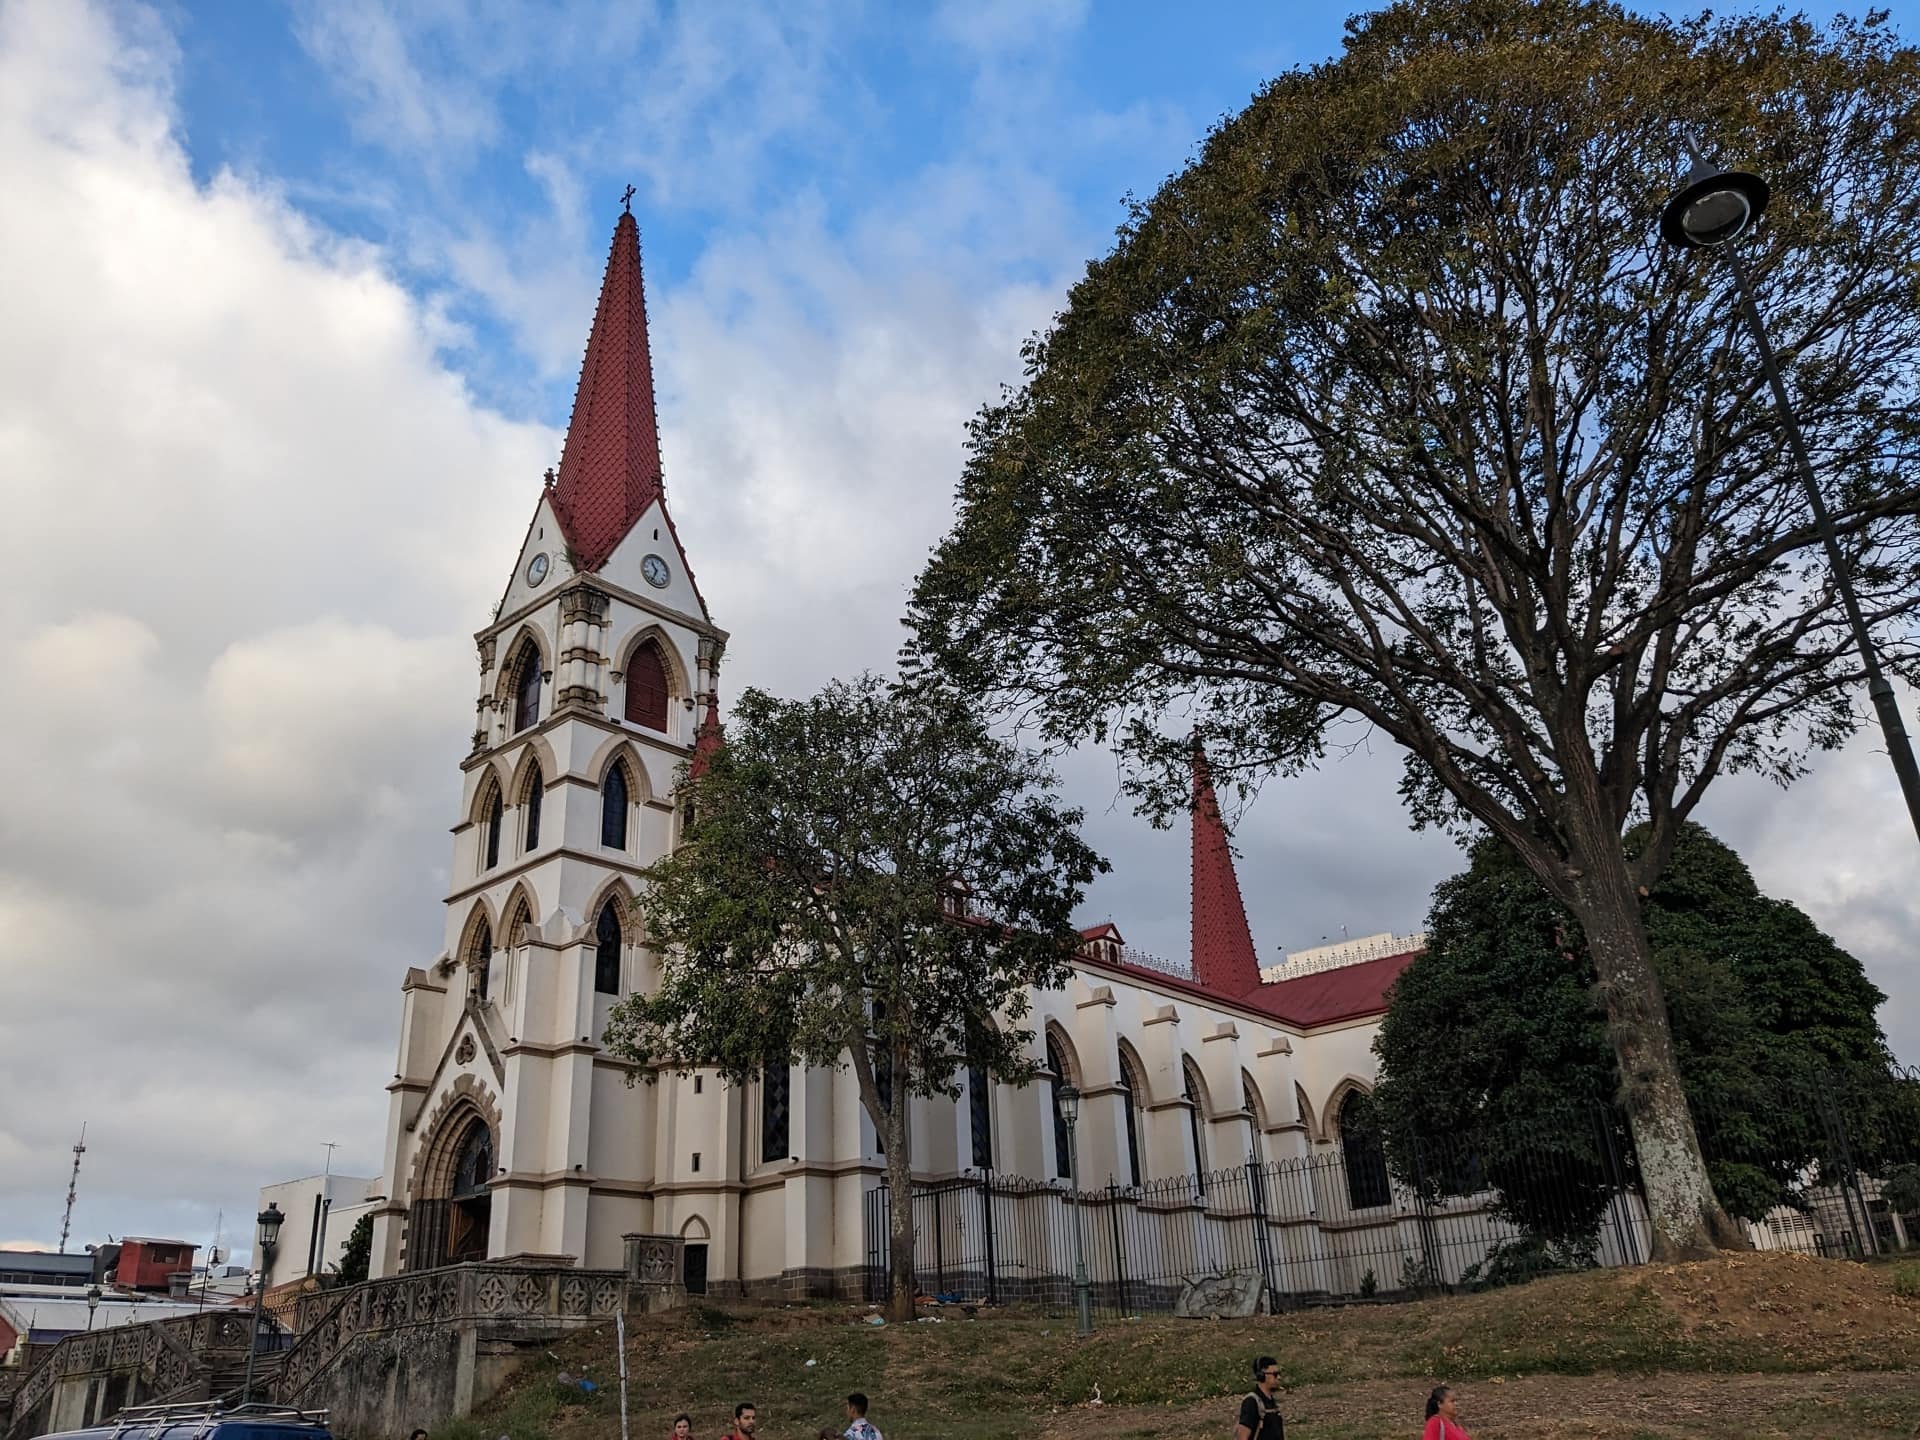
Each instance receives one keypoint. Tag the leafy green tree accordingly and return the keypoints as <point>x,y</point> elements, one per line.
<point>872,880</point>
<point>1496,1039</point>
<point>1392,413</point>
<point>357,1253</point>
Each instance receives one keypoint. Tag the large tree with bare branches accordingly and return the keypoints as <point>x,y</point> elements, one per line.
<point>1391,412</point>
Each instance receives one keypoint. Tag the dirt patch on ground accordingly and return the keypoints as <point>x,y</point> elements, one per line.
<point>1780,1298</point>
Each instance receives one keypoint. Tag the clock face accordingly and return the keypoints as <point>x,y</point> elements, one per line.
<point>537,569</point>
<point>655,569</point>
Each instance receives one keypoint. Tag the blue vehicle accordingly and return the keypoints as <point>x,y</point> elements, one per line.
<point>204,1420</point>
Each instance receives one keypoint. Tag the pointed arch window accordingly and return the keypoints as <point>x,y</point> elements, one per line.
<point>980,1116</point>
<point>1057,1063</point>
<point>1132,1101</point>
<point>1364,1157</point>
<point>647,690</point>
<point>606,952</point>
<point>526,687</point>
<point>1196,1122</point>
<point>776,1099</point>
<point>474,1167</point>
<point>613,808</point>
<point>480,958</point>
<point>495,813</point>
<point>536,784</point>
<point>1250,1100</point>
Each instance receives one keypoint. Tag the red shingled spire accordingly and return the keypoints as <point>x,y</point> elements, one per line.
<point>610,470</point>
<point>1223,954</point>
<point>707,740</point>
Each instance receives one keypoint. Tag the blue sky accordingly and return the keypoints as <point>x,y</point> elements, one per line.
<point>298,294</point>
<point>442,128</point>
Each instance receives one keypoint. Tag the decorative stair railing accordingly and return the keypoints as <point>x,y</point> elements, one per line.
<point>479,1291</point>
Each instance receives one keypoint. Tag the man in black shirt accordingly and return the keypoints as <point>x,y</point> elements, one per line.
<point>1260,1412</point>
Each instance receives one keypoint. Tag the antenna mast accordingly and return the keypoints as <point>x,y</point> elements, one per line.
<point>73,1185</point>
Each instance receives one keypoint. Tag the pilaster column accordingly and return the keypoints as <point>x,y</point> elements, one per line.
<point>580,670</point>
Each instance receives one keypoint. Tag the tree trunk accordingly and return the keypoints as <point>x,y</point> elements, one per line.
<point>1688,1223</point>
<point>900,1189</point>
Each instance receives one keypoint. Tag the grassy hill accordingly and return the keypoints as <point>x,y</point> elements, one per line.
<point>1746,1346</point>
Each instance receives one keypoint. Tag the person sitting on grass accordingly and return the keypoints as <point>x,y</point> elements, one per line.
<point>682,1427</point>
<point>858,1426</point>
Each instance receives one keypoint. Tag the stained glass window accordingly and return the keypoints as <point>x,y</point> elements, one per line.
<point>606,952</point>
<point>613,809</point>
<point>526,687</point>
<point>494,812</point>
<point>775,1097</point>
<point>980,1117</point>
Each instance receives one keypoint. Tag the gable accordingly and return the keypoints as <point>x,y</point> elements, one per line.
<point>653,534</point>
<point>544,537</point>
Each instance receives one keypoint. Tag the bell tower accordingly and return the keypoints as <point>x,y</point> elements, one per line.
<point>598,688</point>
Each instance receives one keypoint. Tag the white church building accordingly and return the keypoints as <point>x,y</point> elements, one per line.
<point>511,1131</point>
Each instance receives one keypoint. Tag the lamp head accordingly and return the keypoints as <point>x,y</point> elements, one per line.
<point>269,1221</point>
<point>1713,208</point>
<point>1069,1099</point>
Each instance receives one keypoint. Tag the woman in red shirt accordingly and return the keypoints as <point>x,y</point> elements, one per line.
<point>1441,1409</point>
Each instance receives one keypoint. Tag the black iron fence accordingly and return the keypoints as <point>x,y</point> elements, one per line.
<point>1382,1215</point>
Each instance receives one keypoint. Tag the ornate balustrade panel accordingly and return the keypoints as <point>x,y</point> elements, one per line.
<point>475,1293</point>
<point>169,1356</point>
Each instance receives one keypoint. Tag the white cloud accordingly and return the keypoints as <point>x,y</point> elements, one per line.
<point>251,524</point>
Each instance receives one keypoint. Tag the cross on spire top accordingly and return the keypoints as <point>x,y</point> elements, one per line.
<point>626,201</point>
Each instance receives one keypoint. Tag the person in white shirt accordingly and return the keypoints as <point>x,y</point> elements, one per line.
<point>858,1426</point>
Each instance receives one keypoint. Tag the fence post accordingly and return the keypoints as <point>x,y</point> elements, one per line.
<point>1618,1199</point>
<point>1850,1191</point>
<point>1119,1255</point>
<point>939,1247</point>
<point>1257,1193</point>
<point>986,1228</point>
<point>1425,1213</point>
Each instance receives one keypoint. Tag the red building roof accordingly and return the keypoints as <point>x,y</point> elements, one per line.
<point>610,469</point>
<point>1225,966</point>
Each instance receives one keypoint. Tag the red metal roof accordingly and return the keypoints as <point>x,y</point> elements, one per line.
<point>1351,992</point>
<point>1347,992</point>
<point>1223,957</point>
<point>610,469</point>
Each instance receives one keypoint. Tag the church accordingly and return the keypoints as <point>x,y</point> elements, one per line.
<point>512,1132</point>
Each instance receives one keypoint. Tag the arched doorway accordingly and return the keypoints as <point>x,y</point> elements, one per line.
<point>452,1209</point>
<point>472,1202</point>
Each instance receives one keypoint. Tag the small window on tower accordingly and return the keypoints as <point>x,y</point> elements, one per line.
<point>531,804</point>
<point>494,813</point>
<point>606,952</point>
<point>647,687</point>
<point>613,809</point>
<point>526,687</point>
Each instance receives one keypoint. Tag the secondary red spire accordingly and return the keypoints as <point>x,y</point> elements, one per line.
<point>610,470</point>
<point>707,741</point>
<point>1223,955</point>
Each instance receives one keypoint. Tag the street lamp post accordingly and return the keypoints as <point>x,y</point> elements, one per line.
<point>1714,209</point>
<point>265,1242</point>
<point>93,1304</point>
<point>1069,1099</point>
